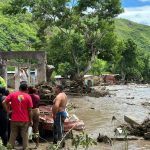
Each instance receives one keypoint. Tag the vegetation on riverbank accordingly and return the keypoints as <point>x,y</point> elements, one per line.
<point>77,41</point>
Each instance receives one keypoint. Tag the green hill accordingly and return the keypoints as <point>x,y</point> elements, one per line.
<point>16,32</point>
<point>139,33</point>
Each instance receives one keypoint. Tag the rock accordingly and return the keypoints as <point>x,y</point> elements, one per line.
<point>132,121</point>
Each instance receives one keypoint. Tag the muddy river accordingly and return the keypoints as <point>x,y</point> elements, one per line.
<point>97,114</point>
<point>124,100</point>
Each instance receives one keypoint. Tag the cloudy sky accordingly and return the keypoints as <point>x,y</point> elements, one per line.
<point>137,11</point>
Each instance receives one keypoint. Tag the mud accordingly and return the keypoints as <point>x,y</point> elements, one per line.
<point>97,114</point>
<point>99,118</point>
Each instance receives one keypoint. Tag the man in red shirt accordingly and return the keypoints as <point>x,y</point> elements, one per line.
<point>21,116</point>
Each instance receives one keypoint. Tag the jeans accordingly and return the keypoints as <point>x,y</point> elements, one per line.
<point>58,130</point>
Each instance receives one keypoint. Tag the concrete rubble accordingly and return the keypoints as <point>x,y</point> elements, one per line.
<point>78,88</point>
<point>136,128</point>
<point>104,139</point>
<point>46,121</point>
<point>46,93</point>
<point>47,96</point>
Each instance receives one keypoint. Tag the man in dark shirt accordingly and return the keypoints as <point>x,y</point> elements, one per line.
<point>35,114</point>
<point>3,118</point>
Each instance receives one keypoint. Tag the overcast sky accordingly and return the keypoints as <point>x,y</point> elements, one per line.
<point>137,11</point>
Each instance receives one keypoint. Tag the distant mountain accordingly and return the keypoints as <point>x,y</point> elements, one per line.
<point>139,33</point>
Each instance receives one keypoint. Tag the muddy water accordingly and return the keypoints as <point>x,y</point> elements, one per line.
<point>97,113</point>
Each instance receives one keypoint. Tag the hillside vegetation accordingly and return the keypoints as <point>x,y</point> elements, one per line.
<point>78,42</point>
<point>17,33</point>
<point>139,33</point>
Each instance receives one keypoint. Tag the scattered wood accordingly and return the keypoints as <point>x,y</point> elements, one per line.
<point>87,91</point>
<point>46,93</point>
<point>133,127</point>
<point>104,139</point>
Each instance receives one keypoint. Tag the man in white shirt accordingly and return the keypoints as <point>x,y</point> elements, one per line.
<point>23,75</point>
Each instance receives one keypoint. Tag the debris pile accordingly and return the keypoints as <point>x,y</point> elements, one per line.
<point>78,88</point>
<point>99,92</point>
<point>137,129</point>
<point>46,120</point>
<point>46,93</point>
<point>104,139</point>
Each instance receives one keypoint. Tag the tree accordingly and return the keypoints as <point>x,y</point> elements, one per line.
<point>64,69</point>
<point>16,32</point>
<point>144,59</point>
<point>128,64</point>
<point>83,27</point>
<point>99,67</point>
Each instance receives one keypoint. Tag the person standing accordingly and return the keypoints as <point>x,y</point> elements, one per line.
<point>2,82</point>
<point>21,117</point>
<point>3,118</point>
<point>59,114</point>
<point>35,114</point>
<point>23,76</point>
